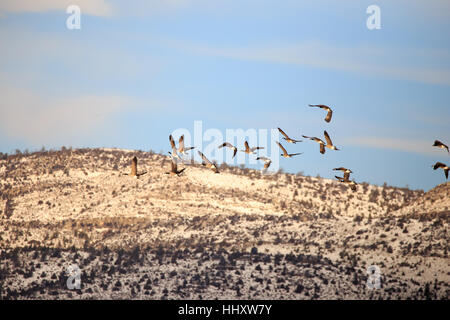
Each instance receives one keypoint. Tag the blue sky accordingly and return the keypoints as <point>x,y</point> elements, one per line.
<point>138,70</point>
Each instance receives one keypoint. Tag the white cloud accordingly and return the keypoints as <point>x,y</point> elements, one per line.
<point>91,7</point>
<point>44,106</point>
<point>42,120</point>
<point>146,8</point>
<point>27,54</point>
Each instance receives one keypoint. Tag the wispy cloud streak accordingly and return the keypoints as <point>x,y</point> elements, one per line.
<point>91,7</point>
<point>363,59</point>
<point>39,119</point>
<point>423,147</point>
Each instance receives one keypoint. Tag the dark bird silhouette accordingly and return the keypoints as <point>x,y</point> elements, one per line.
<point>134,172</point>
<point>250,150</point>
<point>327,108</point>
<point>208,163</point>
<point>444,167</point>
<point>181,148</point>
<point>174,152</point>
<point>174,169</point>
<point>328,145</point>
<point>439,144</point>
<point>319,141</point>
<point>267,162</point>
<point>352,184</point>
<point>286,137</point>
<point>346,172</point>
<point>229,145</point>
<point>285,154</point>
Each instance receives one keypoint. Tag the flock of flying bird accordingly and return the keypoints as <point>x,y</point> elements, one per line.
<point>438,164</point>
<point>207,163</point>
<point>176,153</point>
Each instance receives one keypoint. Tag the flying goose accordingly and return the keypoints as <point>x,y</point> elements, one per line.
<point>286,137</point>
<point>327,108</point>
<point>320,141</point>
<point>446,168</point>
<point>181,148</point>
<point>250,150</point>
<point>439,144</point>
<point>328,145</point>
<point>173,169</point>
<point>346,172</point>
<point>267,162</point>
<point>208,163</point>
<point>134,172</point>
<point>285,154</point>
<point>352,183</point>
<point>174,152</point>
<point>229,145</point>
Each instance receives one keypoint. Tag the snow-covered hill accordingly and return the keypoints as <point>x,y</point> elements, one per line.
<point>228,235</point>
